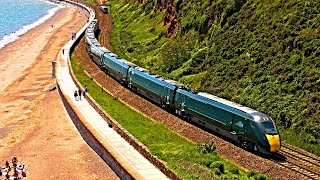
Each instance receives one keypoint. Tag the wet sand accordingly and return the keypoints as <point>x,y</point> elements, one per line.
<point>34,126</point>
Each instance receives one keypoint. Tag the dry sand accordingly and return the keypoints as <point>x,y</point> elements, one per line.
<point>34,126</point>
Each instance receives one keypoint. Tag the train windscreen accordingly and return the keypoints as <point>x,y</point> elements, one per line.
<point>269,127</point>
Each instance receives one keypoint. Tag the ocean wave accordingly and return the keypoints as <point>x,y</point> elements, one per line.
<point>15,35</point>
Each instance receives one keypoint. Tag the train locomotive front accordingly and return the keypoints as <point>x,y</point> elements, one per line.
<point>268,137</point>
<point>251,129</point>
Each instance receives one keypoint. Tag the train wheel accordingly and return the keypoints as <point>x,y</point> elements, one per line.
<point>243,143</point>
<point>164,105</point>
<point>134,89</point>
<point>253,147</point>
<point>187,117</point>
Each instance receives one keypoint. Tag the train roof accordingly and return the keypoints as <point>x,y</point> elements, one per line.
<point>113,54</point>
<point>94,21</point>
<point>126,62</point>
<point>90,35</point>
<point>152,77</point>
<point>175,83</point>
<point>142,69</point>
<point>157,76</point>
<point>208,99</point>
<point>228,103</point>
<point>96,43</point>
<point>105,49</point>
<point>161,78</point>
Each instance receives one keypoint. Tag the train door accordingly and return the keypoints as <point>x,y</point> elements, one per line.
<point>180,100</point>
<point>239,126</point>
<point>167,96</point>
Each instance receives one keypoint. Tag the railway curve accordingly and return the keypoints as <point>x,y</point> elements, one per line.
<point>274,168</point>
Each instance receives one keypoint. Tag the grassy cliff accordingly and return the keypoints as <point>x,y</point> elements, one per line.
<point>260,53</point>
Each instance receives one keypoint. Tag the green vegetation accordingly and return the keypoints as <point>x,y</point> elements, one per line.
<point>186,159</point>
<point>90,2</point>
<point>259,53</point>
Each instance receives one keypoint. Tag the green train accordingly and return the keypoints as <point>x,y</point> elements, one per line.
<point>251,129</point>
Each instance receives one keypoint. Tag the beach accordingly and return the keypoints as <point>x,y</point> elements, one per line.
<point>34,126</point>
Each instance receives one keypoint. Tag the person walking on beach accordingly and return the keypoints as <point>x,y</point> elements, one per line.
<point>75,95</point>
<point>14,161</point>
<point>7,176</point>
<point>79,93</point>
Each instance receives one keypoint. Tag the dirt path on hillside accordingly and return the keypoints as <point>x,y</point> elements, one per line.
<point>34,125</point>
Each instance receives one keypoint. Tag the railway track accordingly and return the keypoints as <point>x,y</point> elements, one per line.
<point>247,160</point>
<point>299,161</point>
<point>310,159</point>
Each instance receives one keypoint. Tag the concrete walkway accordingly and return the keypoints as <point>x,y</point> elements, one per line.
<point>139,166</point>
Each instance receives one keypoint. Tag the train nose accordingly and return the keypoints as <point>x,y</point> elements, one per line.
<point>274,141</point>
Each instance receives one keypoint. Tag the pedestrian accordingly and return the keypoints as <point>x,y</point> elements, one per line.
<point>73,36</point>
<point>85,90</point>
<point>23,173</point>
<point>76,95</point>
<point>8,166</point>
<point>79,93</point>
<point>14,161</point>
<point>7,176</point>
<point>15,174</point>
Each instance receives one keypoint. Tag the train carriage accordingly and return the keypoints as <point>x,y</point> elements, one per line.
<point>96,53</point>
<point>252,129</point>
<point>115,66</point>
<point>152,86</point>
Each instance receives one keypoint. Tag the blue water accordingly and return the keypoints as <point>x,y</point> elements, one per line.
<point>19,16</point>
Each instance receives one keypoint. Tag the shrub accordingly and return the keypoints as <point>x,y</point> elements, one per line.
<point>218,167</point>
<point>234,171</point>
<point>206,148</point>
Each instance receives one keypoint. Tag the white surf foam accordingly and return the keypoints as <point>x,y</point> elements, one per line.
<point>15,35</point>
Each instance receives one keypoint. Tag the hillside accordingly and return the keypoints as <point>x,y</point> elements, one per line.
<point>262,54</point>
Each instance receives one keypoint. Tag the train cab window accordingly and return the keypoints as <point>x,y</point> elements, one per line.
<point>269,127</point>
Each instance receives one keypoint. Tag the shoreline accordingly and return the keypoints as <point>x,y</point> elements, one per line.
<point>14,36</point>
<point>33,40</point>
<point>34,125</point>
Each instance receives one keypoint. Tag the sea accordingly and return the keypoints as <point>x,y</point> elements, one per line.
<point>19,16</point>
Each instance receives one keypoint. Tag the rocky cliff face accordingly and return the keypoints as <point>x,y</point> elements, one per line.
<point>171,15</point>
<point>171,20</point>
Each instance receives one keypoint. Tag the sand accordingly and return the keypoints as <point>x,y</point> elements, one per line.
<point>34,126</point>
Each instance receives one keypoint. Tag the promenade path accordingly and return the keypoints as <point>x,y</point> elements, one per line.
<point>137,165</point>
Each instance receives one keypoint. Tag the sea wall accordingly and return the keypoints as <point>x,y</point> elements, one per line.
<point>92,137</point>
<point>89,134</point>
